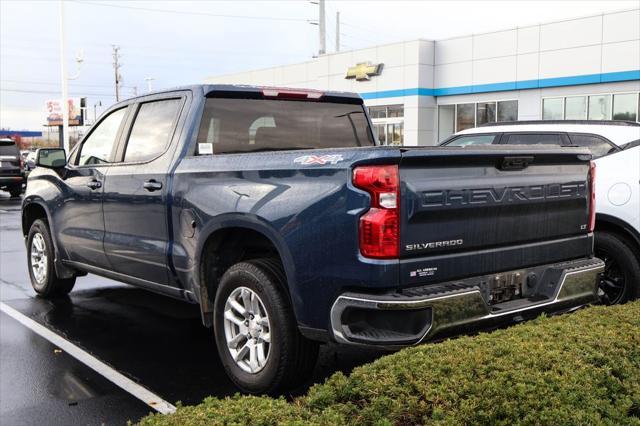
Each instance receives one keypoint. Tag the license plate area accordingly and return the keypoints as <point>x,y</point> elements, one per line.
<point>505,287</point>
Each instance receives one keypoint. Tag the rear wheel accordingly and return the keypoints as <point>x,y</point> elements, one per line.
<point>620,281</point>
<point>40,257</point>
<point>256,332</point>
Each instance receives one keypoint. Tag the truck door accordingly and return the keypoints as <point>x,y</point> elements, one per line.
<point>79,220</point>
<point>135,193</point>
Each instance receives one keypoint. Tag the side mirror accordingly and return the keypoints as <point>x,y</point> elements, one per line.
<point>51,158</point>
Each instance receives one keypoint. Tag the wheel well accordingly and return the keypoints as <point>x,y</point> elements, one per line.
<point>31,213</point>
<point>606,226</point>
<point>223,249</point>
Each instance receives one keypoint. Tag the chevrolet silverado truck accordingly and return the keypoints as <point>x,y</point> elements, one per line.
<point>276,211</point>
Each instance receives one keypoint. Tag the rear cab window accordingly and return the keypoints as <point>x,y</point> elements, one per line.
<point>233,125</point>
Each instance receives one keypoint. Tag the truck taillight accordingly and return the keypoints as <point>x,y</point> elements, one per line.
<point>592,192</point>
<point>380,226</point>
<point>285,93</point>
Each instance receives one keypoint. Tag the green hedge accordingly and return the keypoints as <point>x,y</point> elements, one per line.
<point>580,368</point>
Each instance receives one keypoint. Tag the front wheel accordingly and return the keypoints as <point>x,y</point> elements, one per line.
<point>40,258</point>
<point>620,281</point>
<point>256,334</point>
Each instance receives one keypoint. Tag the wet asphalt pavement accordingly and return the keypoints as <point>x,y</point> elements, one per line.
<point>156,341</point>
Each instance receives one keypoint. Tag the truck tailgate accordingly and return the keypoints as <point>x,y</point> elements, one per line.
<point>490,209</point>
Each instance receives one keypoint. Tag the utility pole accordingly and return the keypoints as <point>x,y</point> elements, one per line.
<point>337,31</point>
<point>149,80</point>
<point>64,102</point>
<point>322,28</point>
<point>116,69</point>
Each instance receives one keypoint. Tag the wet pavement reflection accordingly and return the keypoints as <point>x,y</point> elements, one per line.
<point>154,340</point>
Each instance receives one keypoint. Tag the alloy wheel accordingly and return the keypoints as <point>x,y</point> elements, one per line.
<point>247,330</point>
<point>39,260</point>
<point>612,281</point>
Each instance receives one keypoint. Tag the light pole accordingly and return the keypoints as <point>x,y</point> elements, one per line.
<point>95,117</point>
<point>64,104</point>
<point>149,80</point>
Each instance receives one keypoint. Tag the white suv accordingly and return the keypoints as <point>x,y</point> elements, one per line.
<point>615,146</point>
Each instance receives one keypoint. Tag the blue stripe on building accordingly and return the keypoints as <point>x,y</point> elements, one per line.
<point>506,86</point>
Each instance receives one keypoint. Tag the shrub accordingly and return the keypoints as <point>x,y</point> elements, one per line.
<point>580,368</point>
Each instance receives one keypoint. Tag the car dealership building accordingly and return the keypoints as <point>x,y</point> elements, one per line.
<point>421,91</point>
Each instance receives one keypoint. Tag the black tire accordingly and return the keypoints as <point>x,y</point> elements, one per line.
<point>620,281</point>
<point>48,285</point>
<point>291,357</point>
<point>15,191</point>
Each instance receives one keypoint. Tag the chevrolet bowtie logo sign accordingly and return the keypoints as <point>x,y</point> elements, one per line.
<point>364,71</point>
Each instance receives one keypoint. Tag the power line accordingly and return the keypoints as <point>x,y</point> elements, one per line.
<point>55,92</point>
<point>183,12</point>
<point>72,83</point>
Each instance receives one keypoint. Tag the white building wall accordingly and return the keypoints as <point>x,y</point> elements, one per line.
<point>524,64</point>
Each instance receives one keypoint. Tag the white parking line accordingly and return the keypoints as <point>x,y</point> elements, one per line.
<point>144,395</point>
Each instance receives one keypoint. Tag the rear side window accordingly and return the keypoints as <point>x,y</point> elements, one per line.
<point>534,139</point>
<point>250,125</point>
<point>152,130</point>
<point>96,149</point>
<point>598,146</point>
<point>8,147</point>
<point>468,140</point>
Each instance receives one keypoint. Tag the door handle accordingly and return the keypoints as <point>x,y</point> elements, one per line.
<point>94,184</point>
<point>152,185</point>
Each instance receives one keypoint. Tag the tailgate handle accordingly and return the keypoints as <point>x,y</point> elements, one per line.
<point>516,163</point>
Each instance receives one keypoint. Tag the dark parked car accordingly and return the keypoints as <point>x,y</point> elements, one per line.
<point>275,211</point>
<point>11,167</point>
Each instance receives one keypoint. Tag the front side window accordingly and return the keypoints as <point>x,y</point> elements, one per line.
<point>552,109</point>
<point>535,139</point>
<point>249,125</point>
<point>152,130</point>
<point>596,145</point>
<point>96,149</point>
<point>599,107</point>
<point>468,140</point>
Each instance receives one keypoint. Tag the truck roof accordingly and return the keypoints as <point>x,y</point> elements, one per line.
<point>239,88</point>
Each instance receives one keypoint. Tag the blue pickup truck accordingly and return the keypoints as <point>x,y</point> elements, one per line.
<point>277,213</point>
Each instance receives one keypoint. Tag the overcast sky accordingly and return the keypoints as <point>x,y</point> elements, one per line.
<point>182,42</point>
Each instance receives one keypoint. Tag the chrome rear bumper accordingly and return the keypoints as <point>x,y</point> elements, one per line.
<point>395,320</point>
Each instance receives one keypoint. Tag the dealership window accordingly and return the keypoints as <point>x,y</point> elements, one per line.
<point>465,116</point>
<point>485,113</point>
<point>616,106</point>
<point>457,117</point>
<point>599,107</point>
<point>507,111</point>
<point>388,123</point>
<point>625,106</point>
<point>575,108</point>
<point>552,109</point>
<point>446,121</point>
